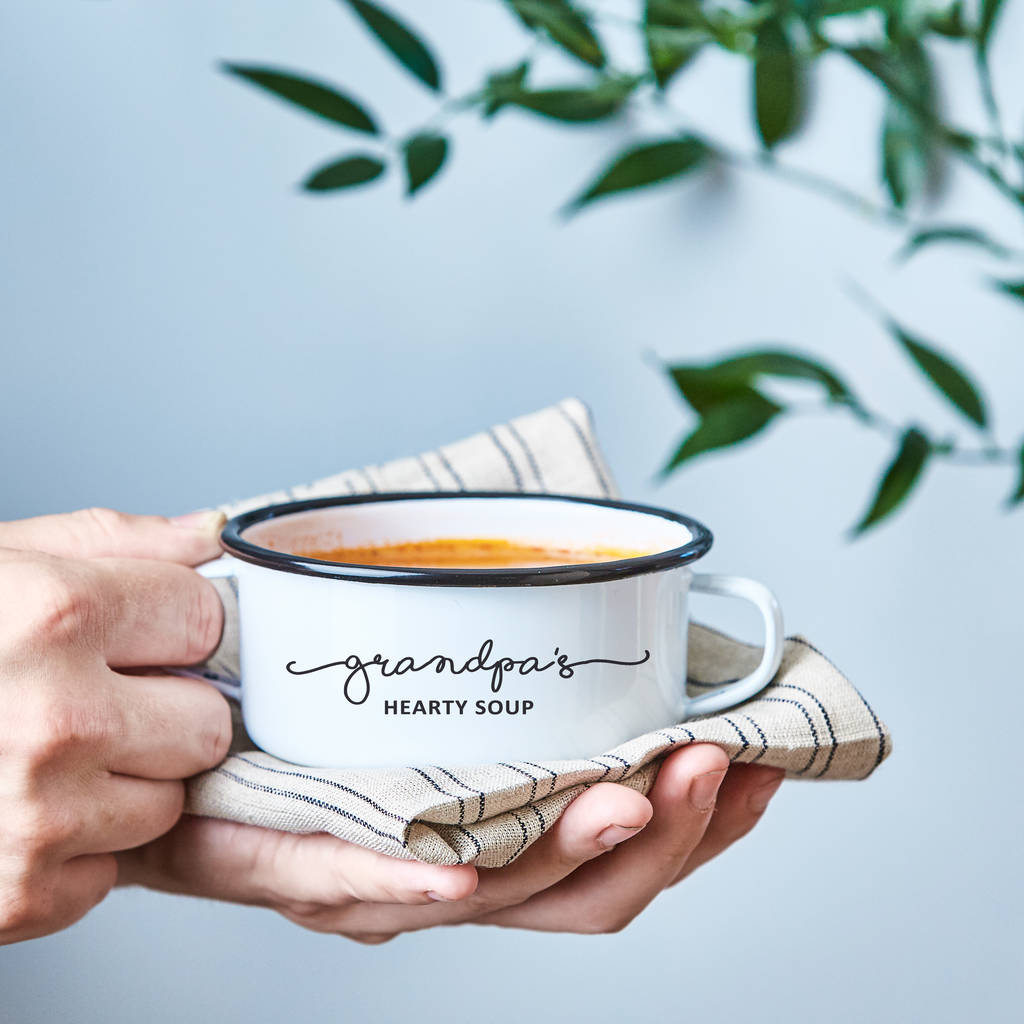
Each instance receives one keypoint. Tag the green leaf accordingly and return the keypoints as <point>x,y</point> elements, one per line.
<point>502,87</point>
<point>730,407</point>
<point>905,155</point>
<point>905,63</point>
<point>704,385</point>
<point>793,366</point>
<point>424,155</point>
<point>950,379</point>
<point>908,151</point>
<point>778,84</point>
<point>986,23</point>
<point>880,64</point>
<point>948,22</point>
<point>573,105</point>
<point>831,8</point>
<point>1018,495</point>
<point>646,164</point>
<point>405,46</point>
<point>951,233</point>
<point>312,96</point>
<point>899,479</point>
<point>1012,288</point>
<point>344,173</point>
<point>745,413</point>
<point>565,25</point>
<point>900,70</point>
<point>673,31</point>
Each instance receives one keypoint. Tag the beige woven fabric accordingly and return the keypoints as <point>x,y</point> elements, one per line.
<point>811,721</point>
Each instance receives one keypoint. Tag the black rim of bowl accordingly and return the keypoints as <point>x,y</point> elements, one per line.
<point>555,575</point>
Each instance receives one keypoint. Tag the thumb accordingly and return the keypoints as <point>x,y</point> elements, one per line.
<point>239,863</point>
<point>104,533</point>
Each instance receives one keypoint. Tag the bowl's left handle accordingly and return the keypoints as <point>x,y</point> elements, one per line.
<point>220,569</point>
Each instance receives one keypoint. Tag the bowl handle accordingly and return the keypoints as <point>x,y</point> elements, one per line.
<point>748,686</point>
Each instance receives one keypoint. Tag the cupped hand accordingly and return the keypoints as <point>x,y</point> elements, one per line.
<point>92,757</point>
<point>606,858</point>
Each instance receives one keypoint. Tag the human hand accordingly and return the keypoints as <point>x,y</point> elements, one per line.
<point>92,758</point>
<point>609,854</point>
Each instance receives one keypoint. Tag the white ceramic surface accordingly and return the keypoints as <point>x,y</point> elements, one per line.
<point>369,666</point>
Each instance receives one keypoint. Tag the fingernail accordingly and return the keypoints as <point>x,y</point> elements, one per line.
<point>615,834</point>
<point>208,520</point>
<point>437,896</point>
<point>760,798</point>
<point>704,789</point>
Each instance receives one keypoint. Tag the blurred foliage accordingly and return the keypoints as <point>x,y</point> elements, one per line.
<point>889,41</point>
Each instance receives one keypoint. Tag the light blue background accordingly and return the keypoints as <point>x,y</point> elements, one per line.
<point>181,326</point>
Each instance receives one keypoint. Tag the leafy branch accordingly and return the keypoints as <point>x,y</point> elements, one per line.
<point>729,399</point>
<point>781,40</point>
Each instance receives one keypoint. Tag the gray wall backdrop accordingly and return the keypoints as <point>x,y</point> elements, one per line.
<point>181,326</point>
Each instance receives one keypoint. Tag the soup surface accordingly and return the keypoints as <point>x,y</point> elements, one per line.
<point>468,553</point>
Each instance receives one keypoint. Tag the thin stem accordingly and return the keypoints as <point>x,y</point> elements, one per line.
<point>987,455</point>
<point>976,456</point>
<point>959,142</point>
<point>870,419</point>
<point>740,21</point>
<point>952,138</point>
<point>988,96</point>
<point>768,163</point>
<point>447,110</point>
<point>453,106</point>
<point>883,213</point>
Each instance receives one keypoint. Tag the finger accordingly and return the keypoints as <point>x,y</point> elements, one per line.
<point>164,727</point>
<point>594,823</point>
<point>115,813</point>
<point>742,800</point>
<point>152,613</point>
<point>298,874</point>
<point>104,533</point>
<point>606,894</point>
<point>57,903</point>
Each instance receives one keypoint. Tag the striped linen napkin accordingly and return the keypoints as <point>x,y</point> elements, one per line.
<point>810,721</point>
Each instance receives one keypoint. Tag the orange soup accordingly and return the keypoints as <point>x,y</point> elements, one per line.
<point>460,553</point>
